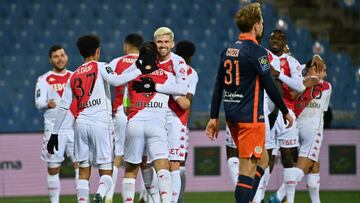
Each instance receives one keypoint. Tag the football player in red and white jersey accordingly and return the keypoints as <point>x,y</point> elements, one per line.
<point>146,126</point>
<point>176,119</point>
<point>87,93</point>
<point>310,106</point>
<point>131,45</point>
<point>186,50</point>
<point>48,92</point>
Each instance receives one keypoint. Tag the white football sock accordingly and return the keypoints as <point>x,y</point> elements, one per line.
<point>105,184</point>
<point>151,184</point>
<point>292,176</point>
<point>176,183</point>
<point>76,175</point>
<point>143,193</point>
<point>128,190</point>
<point>281,192</point>
<point>313,184</point>
<point>53,182</point>
<point>165,186</point>
<point>260,192</point>
<point>110,194</point>
<point>183,183</point>
<point>82,190</point>
<point>233,165</point>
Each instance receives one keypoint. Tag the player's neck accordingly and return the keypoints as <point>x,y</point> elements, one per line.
<point>278,53</point>
<point>58,71</point>
<point>132,51</point>
<point>90,58</point>
<point>164,58</point>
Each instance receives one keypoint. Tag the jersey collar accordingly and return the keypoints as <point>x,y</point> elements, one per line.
<point>245,36</point>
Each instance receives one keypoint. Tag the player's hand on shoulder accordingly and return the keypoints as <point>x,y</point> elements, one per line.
<point>52,143</point>
<point>146,62</point>
<point>288,119</point>
<point>212,129</point>
<point>318,62</point>
<point>146,84</point>
<point>51,104</point>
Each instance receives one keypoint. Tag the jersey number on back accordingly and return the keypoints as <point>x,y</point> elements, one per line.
<point>229,77</point>
<point>78,83</point>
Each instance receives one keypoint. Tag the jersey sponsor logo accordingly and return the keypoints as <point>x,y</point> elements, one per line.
<point>309,105</point>
<point>232,97</point>
<point>264,63</point>
<point>289,142</point>
<point>57,86</point>
<point>151,104</point>
<point>231,52</point>
<point>51,79</point>
<point>109,69</point>
<point>94,102</point>
<point>175,151</point>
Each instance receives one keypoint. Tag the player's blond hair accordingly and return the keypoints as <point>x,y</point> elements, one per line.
<point>164,31</point>
<point>247,16</point>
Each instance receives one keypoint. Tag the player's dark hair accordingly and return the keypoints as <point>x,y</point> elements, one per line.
<point>87,45</point>
<point>134,40</point>
<point>54,48</point>
<point>280,32</point>
<point>185,49</point>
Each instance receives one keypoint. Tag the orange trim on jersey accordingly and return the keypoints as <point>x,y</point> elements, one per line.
<point>258,174</point>
<point>245,36</point>
<point>244,185</point>
<point>256,100</point>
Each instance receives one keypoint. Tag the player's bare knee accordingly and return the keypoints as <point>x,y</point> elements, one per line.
<point>264,160</point>
<point>161,164</point>
<point>53,168</point>
<point>174,165</point>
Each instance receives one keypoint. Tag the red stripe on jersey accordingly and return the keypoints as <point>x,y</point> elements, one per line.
<point>123,63</point>
<point>308,95</point>
<point>167,66</point>
<point>285,69</point>
<point>270,57</point>
<point>189,70</point>
<point>181,114</point>
<point>141,100</point>
<point>82,83</point>
<point>57,82</point>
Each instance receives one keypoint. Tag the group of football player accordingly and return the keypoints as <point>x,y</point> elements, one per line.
<point>145,125</point>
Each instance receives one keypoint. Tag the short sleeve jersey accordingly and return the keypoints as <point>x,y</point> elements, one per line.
<point>240,66</point>
<point>49,86</point>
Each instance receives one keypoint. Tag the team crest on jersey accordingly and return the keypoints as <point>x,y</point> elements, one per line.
<point>258,149</point>
<point>170,68</point>
<point>109,69</point>
<point>264,63</point>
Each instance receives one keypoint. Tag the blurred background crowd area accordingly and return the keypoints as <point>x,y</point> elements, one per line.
<point>28,29</point>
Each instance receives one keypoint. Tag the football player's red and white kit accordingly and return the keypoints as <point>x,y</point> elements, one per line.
<point>176,117</point>
<point>309,109</point>
<point>291,78</point>
<point>87,94</point>
<point>119,65</point>
<point>193,80</point>
<point>51,86</point>
<point>147,118</point>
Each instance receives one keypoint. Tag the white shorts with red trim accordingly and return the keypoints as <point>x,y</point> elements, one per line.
<point>120,121</point>
<point>149,135</point>
<point>286,137</point>
<point>94,143</point>
<point>66,144</point>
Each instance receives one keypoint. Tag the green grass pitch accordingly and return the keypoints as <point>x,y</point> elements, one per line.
<point>209,197</point>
